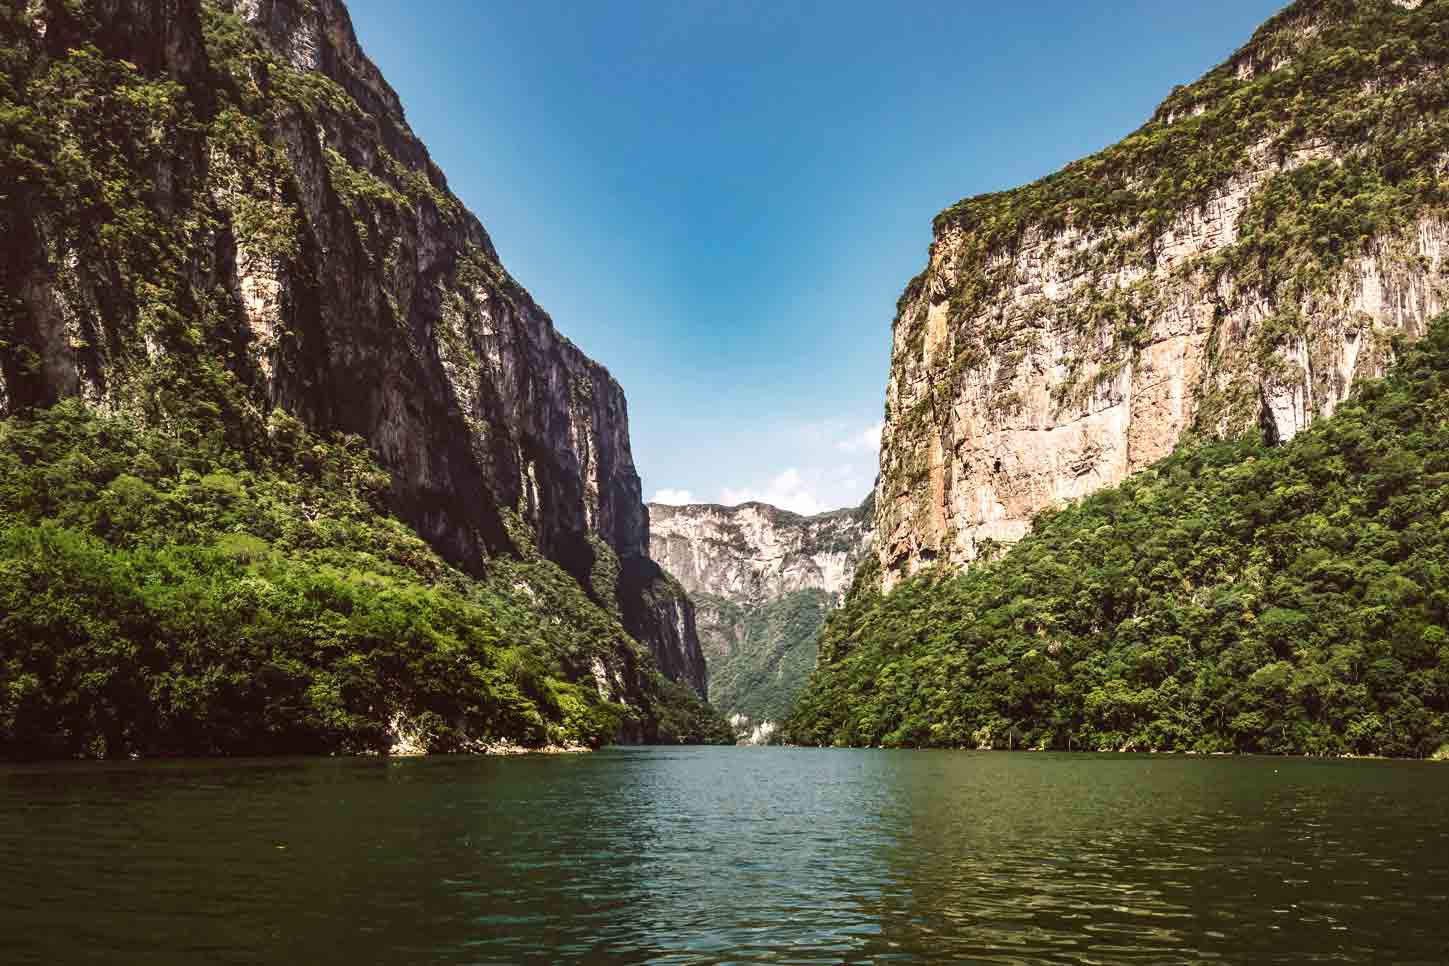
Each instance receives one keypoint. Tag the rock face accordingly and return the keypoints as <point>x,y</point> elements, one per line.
<point>1236,264</point>
<point>762,581</point>
<point>658,609</point>
<point>755,552</point>
<point>281,239</point>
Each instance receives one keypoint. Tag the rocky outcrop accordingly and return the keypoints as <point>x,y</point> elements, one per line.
<point>762,581</point>
<point>1235,265</point>
<point>756,552</point>
<point>246,219</point>
<point>659,610</point>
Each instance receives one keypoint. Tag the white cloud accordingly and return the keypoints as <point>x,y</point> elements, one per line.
<point>865,441</point>
<point>804,466</point>
<point>788,491</point>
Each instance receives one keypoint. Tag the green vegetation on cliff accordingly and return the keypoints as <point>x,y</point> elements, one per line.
<point>1342,106</point>
<point>761,656</point>
<point>1234,597</point>
<point>1364,75</point>
<point>201,237</point>
<point>160,594</point>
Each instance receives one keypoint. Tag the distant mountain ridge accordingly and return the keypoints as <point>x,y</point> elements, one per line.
<point>762,581</point>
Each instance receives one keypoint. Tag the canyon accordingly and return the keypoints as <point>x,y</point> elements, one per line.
<point>762,581</point>
<point>223,237</point>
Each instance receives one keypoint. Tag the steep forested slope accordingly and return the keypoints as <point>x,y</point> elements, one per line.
<point>761,654</point>
<point>165,595</point>
<point>1234,596</point>
<point>220,237</point>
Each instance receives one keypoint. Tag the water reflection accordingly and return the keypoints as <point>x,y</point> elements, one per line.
<point>726,855</point>
<point>1148,860</point>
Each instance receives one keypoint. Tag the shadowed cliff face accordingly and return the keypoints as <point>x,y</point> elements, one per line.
<point>655,604</point>
<point>762,581</point>
<point>1233,266</point>
<point>251,222</point>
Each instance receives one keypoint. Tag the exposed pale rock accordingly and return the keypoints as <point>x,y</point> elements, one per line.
<point>756,575</point>
<point>407,739</point>
<point>751,732</point>
<point>1015,404</point>
<point>754,552</point>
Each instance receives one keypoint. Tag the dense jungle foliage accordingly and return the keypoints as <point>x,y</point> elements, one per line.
<point>161,594</point>
<point>1235,597</point>
<point>760,657</point>
<point>194,572</point>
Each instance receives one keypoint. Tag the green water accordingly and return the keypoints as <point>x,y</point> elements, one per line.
<point>726,855</point>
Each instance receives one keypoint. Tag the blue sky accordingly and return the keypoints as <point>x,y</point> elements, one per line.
<point>722,201</point>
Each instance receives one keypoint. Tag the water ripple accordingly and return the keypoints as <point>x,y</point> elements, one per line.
<point>726,855</point>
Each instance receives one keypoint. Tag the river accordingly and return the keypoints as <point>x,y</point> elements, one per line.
<point>711,855</point>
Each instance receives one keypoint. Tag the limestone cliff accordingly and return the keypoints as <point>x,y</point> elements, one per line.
<point>1237,263</point>
<point>754,552</point>
<point>235,214</point>
<point>762,581</point>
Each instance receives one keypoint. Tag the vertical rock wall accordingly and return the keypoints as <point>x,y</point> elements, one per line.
<point>295,247</point>
<point>1235,265</point>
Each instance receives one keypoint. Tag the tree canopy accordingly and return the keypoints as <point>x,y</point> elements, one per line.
<point>1234,597</point>
<point>162,593</point>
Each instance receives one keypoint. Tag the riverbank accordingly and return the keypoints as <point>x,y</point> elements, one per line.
<point>410,750</point>
<point>1442,755</point>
